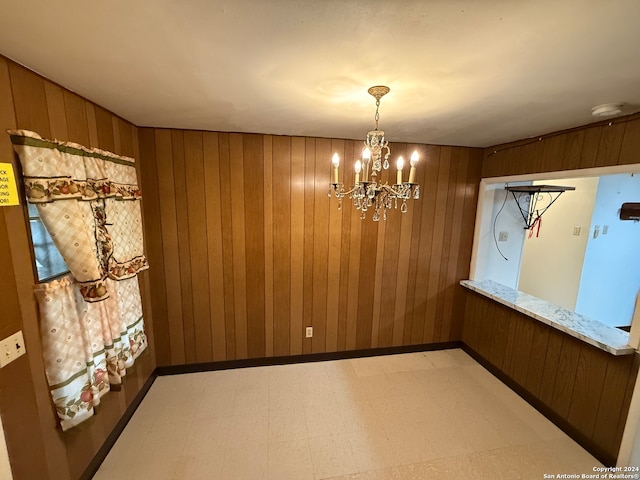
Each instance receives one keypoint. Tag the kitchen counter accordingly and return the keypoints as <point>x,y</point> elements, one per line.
<point>604,337</point>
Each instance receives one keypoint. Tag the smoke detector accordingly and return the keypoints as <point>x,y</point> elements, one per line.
<point>606,110</point>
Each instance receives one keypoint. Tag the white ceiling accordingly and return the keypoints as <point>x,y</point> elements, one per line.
<point>461,72</point>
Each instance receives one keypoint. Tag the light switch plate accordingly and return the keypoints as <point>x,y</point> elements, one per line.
<point>11,348</point>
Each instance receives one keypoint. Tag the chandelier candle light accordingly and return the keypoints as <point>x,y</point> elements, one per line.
<point>366,192</point>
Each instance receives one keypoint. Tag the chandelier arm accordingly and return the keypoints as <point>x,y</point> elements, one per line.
<point>388,188</point>
<point>357,187</point>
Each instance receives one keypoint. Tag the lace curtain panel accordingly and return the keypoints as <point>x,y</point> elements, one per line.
<point>91,321</point>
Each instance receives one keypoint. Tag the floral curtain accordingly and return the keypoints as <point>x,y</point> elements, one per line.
<point>91,321</point>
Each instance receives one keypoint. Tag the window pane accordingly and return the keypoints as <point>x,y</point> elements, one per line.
<point>49,262</point>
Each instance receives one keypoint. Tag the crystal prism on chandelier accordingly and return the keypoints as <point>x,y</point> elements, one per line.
<point>368,191</point>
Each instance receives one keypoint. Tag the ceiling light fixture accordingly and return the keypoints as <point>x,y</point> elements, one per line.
<point>368,191</point>
<point>606,110</point>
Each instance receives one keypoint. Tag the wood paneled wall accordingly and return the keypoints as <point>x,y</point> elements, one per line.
<point>603,144</point>
<point>37,448</point>
<point>247,250</point>
<point>584,389</point>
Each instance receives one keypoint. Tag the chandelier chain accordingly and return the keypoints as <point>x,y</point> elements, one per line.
<point>377,116</point>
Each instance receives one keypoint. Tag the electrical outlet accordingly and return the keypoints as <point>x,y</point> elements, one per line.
<point>576,229</point>
<point>11,348</point>
<point>605,229</point>
<point>309,332</point>
<point>503,236</point>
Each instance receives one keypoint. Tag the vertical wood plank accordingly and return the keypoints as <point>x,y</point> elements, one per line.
<point>428,175</point>
<point>268,244</point>
<point>76,114</point>
<point>354,274</point>
<point>29,100</point>
<point>182,217</point>
<point>104,125</point>
<point>610,144</point>
<point>196,188</point>
<point>458,227</point>
<point>117,143</point>
<point>126,134</point>
<point>520,355</point>
<point>154,240</point>
<point>254,241</point>
<point>92,126</point>
<point>553,152</point>
<point>281,244</point>
<point>321,244</point>
<point>630,143</point>
<point>440,315</point>
<point>438,227</point>
<point>377,276</point>
<point>573,150</point>
<point>57,115</point>
<point>170,246</point>
<point>474,168</point>
<point>590,146</point>
<point>345,248</point>
<point>227,245</point>
<point>632,375</point>
<point>539,346</point>
<point>388,266</point>
<point>214,245</point>
<point>550,369</point>
<point>402,276</point>
<point>567,366</point>
<point>610,403</point>
<point>590,372</point>
<point>239,244</point>
<point>366,283</point>
<point>333,259</point>
<point>309,230</point>
<point>296,330</point>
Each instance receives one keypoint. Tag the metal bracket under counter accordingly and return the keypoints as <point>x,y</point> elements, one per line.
<point>604,337</point>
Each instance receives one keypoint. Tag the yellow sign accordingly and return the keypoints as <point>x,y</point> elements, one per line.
<point>8,189</point>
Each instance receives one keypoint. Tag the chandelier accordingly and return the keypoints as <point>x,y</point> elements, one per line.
<point>368,192</point>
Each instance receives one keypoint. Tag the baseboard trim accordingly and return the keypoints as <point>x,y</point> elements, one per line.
<point>561,423</point>
<point>110,441</point>
<point>312,357</point>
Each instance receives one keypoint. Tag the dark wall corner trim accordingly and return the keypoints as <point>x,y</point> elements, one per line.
<point>313,357</point>
<point>581,439</point>
<point>111,439</point>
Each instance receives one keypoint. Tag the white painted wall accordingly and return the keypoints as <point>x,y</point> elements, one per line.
<point>611,272</point>
<point>551,264</point>
<point>490,264</point>
<point>5,467</point>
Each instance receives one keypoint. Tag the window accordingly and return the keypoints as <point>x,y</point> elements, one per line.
<point>49,262</point>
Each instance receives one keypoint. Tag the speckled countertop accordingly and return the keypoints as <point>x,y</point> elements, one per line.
<point>598,334</point>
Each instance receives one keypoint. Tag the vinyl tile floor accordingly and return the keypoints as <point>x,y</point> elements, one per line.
<point>427,415</point>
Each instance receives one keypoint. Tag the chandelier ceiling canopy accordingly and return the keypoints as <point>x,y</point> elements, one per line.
<point>367,190</point>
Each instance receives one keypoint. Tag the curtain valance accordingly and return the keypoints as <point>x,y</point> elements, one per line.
<point>78,192</point>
